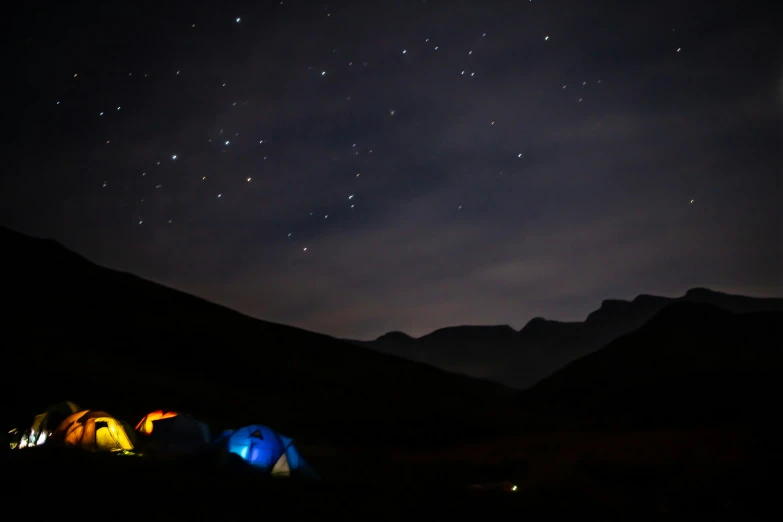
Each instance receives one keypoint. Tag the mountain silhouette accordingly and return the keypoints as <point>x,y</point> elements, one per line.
<point>692,365</point>
<point>542,346</point>
<point>114,341</point>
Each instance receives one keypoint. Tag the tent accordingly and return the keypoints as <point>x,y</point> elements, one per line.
<point>45,423</point>
<point>93,431</point>
<point>264,448</point>
<point>172,432</point>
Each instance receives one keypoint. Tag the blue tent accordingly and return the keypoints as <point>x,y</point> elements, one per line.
<point>266,449</point>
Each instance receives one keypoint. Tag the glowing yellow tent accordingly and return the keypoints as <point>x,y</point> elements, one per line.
<point>93,431</point>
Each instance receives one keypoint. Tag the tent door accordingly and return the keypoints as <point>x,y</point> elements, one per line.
<point>281,467</point>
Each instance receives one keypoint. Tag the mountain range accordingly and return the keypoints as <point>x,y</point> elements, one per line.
<point>520,359</point>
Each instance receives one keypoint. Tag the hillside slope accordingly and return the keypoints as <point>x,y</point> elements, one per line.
<point>693,364</point>
<point>112,341</point>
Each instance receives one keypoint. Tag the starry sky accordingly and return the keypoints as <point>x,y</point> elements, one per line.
<point>359,167</point>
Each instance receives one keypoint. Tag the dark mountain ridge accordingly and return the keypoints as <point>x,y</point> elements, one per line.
<point>542,346</point>
<point>692,364</point>
<point>110,340</point>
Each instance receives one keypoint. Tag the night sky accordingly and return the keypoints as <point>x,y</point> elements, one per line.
<point>359,167</point>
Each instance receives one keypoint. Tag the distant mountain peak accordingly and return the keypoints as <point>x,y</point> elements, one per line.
<point>700,291</point>
<point>535,321</point>
<point>609,308</point>
<point>538,329</point>
<point>641,298</point>
<point>468,332</point>
<point>395,336</point>
<point>534,325</point>
<point>614,303</point>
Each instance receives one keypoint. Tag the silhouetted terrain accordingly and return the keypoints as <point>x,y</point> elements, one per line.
<point>112,341</point>
<point>679,416</point>
<point>542,346</point>
<point>692,365</point>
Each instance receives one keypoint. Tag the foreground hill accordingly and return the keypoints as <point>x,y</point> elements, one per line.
<point>521,358</point>
<point>112,341</point>
<point>693,364</point>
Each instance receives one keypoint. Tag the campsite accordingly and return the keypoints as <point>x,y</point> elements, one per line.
<point>331,429</point>
<point>391,261</point>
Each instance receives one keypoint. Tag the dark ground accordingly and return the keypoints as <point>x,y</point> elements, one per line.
<point>593,476</point>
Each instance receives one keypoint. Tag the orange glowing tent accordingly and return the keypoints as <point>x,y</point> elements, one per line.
<point>93,431</point>
<point>146,425</point>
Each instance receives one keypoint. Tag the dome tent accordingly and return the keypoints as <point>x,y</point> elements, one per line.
<point>93,431</point>
<point>172,432</point>
<point>265,449</point>
<point>45,423</point>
